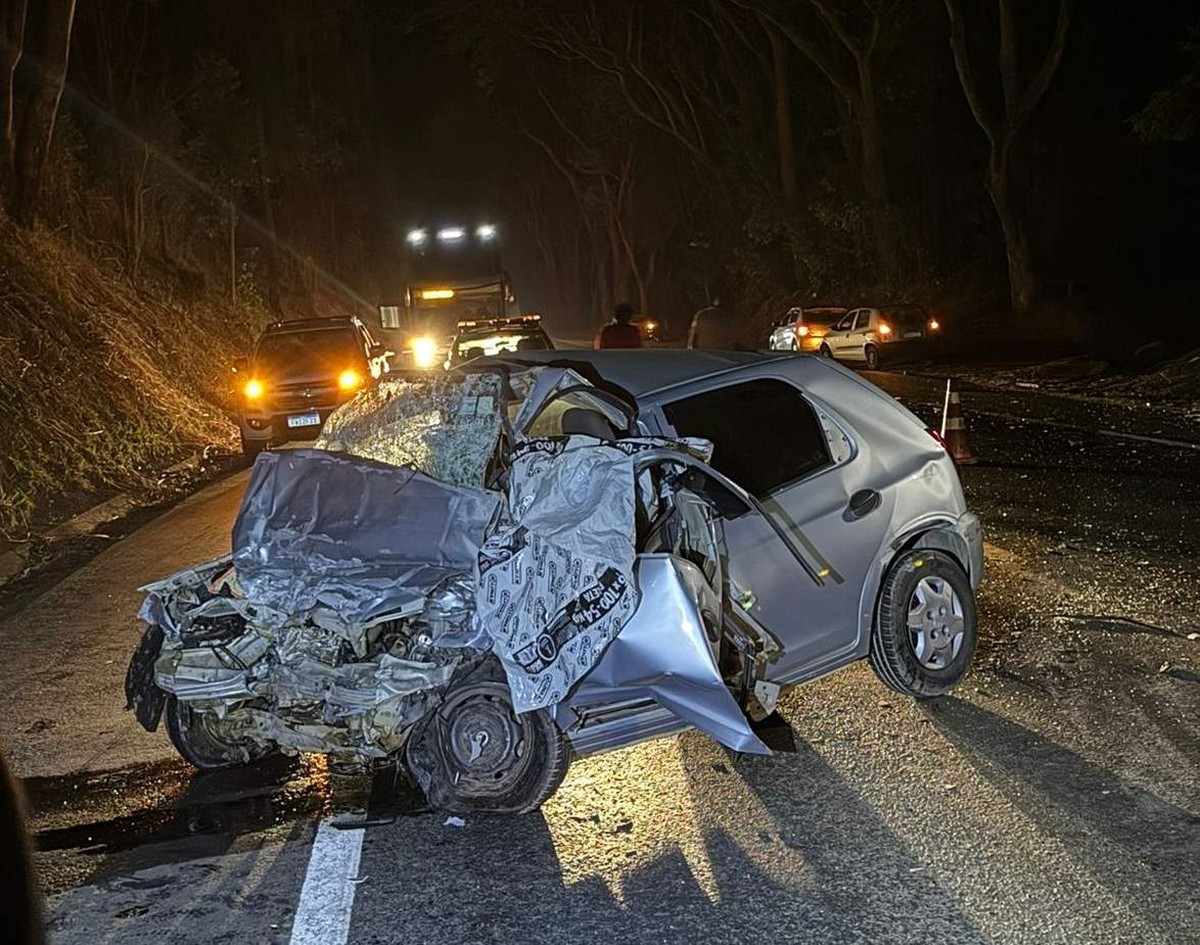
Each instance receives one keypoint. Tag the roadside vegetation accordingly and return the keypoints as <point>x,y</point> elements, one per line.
<point>103,384</point>
<point>162,200</point>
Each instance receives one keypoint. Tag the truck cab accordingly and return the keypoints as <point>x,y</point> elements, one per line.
<point>450,275</point>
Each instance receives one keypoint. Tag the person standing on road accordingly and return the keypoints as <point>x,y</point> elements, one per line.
<point>619,333</point>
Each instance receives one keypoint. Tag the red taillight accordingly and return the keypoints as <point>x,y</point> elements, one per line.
<point>937,436</point>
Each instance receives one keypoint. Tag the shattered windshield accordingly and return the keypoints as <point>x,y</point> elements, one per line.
<point>446,426</point>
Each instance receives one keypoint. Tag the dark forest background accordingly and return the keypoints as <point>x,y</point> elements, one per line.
<point>1040,171</point>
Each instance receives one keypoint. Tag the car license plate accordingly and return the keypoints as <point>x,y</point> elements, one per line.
<point>911,334</point>
<point>304,420</point>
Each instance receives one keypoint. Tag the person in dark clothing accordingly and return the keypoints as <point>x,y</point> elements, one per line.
<point>619,333</point>
<point>20,901</point>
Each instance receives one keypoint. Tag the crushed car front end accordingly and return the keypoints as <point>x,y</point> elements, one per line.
<point>478,575</point>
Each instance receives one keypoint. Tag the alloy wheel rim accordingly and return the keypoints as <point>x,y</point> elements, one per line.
<point>936,626</point>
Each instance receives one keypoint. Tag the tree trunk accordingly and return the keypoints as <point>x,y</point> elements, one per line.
<point>1002,130</point>
<point>37,127</point>
<point>874,171</point>
<point>11,43</point>
<point>784,135</point>
<point>1022,279</point>
<point>648,287</point>
<point>232,254</point>
<point>137,232</point>
<point>268,207</point>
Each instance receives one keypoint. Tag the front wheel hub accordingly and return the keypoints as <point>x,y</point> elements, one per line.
<point>482,739</point>
<point>935,623</point>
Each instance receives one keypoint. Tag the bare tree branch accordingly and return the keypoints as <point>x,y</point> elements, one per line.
<point>1041,81</point>
<point>830,16</point>
<point>1008,58</point>
<point>809,48</point>
<point>962,63</point>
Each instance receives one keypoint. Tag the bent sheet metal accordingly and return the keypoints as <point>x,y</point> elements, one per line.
<point>357,586</point>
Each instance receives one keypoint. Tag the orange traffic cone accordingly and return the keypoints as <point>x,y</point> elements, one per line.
<point>956,432</point>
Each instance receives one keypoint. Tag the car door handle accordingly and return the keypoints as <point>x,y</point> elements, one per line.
<point>863,502</point>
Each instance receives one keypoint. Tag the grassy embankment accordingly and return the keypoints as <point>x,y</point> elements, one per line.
<point>101,384</point>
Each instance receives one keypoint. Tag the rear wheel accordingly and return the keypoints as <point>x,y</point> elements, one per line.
<point>198,738</point>
<point>474,752</point>
<point>871,356</point>
<point>924,634</point>
<point>251,448</point>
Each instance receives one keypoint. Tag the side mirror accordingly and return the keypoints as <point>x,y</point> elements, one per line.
<point>239,366</point>
<point>379,351</point>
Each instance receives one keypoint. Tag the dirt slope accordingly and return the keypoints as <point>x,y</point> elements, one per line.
<point>101,384</point>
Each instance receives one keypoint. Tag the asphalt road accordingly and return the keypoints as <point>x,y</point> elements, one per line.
<point>1053,798</point>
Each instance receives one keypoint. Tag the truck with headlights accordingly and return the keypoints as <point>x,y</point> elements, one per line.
<point>451,274</point>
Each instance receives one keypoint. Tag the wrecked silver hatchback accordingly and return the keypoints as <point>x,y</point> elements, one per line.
<point>483,574</point>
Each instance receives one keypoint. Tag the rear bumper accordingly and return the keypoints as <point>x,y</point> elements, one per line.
<point>903,347</point>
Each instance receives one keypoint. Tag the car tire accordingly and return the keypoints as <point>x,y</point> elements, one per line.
<point>200,746</point>
<point>521,763</point>
<point>871,356</point>
<point>825,352</point>
<point>925,632</point>
<point>251,448</point>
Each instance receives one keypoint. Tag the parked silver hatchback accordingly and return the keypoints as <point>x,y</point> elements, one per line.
<point>533,558</point>
<point>871,335</point>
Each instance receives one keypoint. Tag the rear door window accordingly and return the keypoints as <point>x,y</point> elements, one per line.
<point>909,318</point>
<point>863,322</point>
<point>765,434</point>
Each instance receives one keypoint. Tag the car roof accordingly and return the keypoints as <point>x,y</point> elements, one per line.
<point>643,371</point>
<point>311,324</point>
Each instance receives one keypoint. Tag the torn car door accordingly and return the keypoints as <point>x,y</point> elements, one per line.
<point>695,646</point>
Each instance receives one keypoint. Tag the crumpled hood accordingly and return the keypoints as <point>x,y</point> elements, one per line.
<point>323,531</point>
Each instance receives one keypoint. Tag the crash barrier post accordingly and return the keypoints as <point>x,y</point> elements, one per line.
<point>956,432</point>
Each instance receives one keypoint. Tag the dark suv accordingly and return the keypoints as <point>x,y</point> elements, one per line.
<point>299,374</point>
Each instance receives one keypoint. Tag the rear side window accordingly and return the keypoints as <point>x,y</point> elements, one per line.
<point>909,318</point>
<point>765,434</point>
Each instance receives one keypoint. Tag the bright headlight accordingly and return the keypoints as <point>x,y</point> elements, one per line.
<point>425,352</point>
<point>254,389</point>
<point>349,379</point>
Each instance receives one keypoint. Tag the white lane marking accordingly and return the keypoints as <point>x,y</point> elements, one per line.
<point>327,897</point>
<point>1151,439</point>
